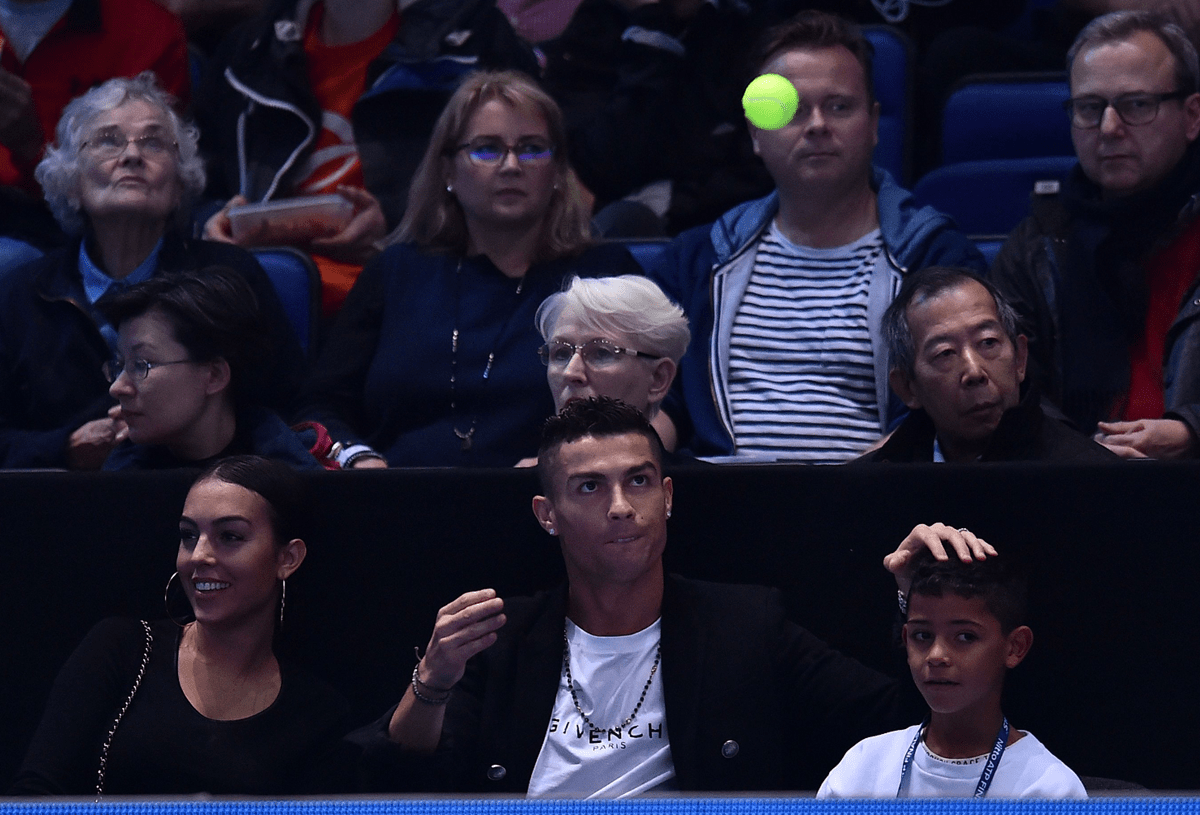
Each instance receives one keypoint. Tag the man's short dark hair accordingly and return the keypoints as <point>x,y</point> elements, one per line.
<point>919,287</point>
<point>212,313</point>
<point>1000,581</point>
<point>811,29</point>
<point>1121,25</point>
<point>594,416</point>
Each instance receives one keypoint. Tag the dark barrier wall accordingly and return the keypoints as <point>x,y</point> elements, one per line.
<point>1110,686</point>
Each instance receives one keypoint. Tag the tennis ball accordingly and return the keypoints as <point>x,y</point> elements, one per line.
<point>770,101</point>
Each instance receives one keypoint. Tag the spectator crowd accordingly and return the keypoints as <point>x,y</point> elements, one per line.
<point>545,234</point>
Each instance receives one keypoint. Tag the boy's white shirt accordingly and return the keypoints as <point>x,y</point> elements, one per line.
<point>871,769</point>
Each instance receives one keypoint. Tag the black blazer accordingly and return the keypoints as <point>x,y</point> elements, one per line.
<point>754,702</point>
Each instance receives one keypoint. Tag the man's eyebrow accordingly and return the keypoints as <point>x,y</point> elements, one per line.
<point>637,469</point>
<point>585,476</point>
<point>988,324</point>
<point>925,621</point>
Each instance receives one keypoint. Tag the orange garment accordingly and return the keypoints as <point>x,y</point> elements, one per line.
<point>338,77</point>
<point>1169,275</point>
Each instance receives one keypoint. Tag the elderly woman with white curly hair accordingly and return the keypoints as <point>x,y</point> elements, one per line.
<point>120,179</point>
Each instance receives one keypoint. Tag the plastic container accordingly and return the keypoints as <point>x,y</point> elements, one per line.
<point>290,221</point>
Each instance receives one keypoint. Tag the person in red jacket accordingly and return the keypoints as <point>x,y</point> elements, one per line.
<point>51,52</point>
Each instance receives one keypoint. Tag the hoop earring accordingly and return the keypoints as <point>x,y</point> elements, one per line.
<point>282,601</point>
<point>181,622</point>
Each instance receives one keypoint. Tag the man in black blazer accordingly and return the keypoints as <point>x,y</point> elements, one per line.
<point>626,679</point>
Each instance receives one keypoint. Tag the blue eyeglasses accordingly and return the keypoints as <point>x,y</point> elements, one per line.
<point>489,152</point>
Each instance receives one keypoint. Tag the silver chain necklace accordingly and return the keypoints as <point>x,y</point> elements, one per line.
<point>575,697</point>
<point>465,437</point>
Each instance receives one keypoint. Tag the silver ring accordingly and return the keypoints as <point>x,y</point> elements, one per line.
<point>963,529</point>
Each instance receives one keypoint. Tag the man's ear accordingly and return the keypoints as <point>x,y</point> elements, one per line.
<point>543,510</point>
<point>1022,352</point>
<point>754,138</point>
<point>902,385</point>
<point>1191,113</point>
<point>1020,640</point>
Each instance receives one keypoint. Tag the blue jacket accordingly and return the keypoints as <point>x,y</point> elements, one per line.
<point>706,270</point>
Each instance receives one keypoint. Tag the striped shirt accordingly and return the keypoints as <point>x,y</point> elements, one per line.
<point>801,368</point>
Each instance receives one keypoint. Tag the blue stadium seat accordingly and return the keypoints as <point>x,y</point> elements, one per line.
<point>989,198</point>
<point>989,248</point>
<point>1006,116</point>
<point>647,252</point>
<point>14,252</point>
<point>893,75</point>
<point>298,283</point>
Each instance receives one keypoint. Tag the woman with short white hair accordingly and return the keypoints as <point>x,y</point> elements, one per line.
<point>612,336</point>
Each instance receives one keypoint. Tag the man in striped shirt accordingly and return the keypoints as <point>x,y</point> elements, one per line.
<point>785,294</point>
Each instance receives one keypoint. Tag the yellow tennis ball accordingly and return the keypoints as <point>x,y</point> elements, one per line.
<point>770,101</point>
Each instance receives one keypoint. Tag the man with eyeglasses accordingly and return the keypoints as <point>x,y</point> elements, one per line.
<point>786,294</point>
<point>1104,274</point>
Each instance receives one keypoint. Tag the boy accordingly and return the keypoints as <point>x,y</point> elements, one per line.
<point>962,634</point>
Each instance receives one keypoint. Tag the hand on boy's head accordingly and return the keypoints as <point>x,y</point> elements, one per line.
<point>942,541</point>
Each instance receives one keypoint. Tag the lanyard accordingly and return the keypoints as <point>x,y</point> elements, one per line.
<point>989,769</point>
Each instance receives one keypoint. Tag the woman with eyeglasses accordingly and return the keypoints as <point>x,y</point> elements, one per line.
<point>433,359</point>
<point>189,345</point>
<point>201,702</point>
<point>619,337</point>
<point>120,178</point>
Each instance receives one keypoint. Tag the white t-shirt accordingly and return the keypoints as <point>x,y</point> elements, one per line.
<point>871,769</point>
<point>613,761</point>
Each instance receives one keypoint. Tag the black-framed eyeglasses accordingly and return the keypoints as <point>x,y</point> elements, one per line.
<point>1134,109</point>
<point>490,152</point>
<point>594,353</point>
<point>138,369</point>
<point>112,142</point>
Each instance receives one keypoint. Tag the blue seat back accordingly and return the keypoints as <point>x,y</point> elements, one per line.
<point>647,252</point>
<point>989,248</point>
<point>893,74</point>
<point>1005,116</point>
<point>989,198</point>
<point>298,284</point>
<point>13,253</point>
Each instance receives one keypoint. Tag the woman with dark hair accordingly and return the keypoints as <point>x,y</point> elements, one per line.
<point>120,179</point>
<point>433,359</point>
<point>188,346</point>
<point>203,705</point>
